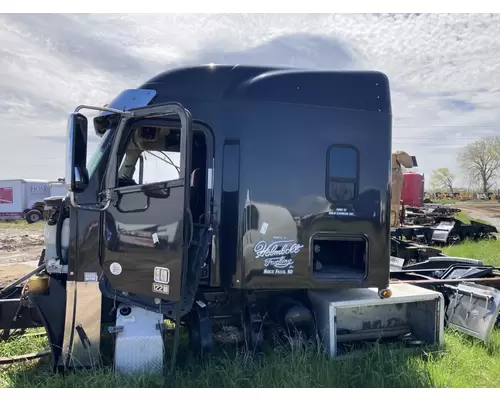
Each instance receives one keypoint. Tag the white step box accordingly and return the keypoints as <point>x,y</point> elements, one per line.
<point>139,341</point>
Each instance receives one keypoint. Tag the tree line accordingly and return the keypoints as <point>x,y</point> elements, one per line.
<point>479,163</point>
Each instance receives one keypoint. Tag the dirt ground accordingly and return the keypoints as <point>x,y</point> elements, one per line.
<point>488,211</point>
<point>489,208</point>
<point>20,248</point>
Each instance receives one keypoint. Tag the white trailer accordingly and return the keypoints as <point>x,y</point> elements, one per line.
<point>58,189</point>
<point>17,197</point>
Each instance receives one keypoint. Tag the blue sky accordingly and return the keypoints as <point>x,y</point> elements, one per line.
<point>444,70</point>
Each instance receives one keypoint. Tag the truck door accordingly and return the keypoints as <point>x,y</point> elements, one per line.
<point>148,229</point>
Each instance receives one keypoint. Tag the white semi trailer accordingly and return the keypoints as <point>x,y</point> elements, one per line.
<point>23,198</point>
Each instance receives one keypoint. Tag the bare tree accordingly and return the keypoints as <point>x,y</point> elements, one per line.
<point>442,178</point>
<point>480,162</point>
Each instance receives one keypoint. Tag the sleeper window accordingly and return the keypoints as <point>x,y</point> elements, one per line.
<point>342,173</point>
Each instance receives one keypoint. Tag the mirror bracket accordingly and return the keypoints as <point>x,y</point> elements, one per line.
<point>105,109</point>
<point>110,196</point>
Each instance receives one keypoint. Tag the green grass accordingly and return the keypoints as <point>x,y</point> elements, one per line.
<point>462,362</point>
<point>464,217</point>
<point>488,251</point>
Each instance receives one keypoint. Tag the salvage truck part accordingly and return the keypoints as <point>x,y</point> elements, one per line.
<point>411,311</point>
<point>470,289</point>
<point>281,186</point>
<point>445,231</point>
<point>400,160</point>
<point>474,309</point>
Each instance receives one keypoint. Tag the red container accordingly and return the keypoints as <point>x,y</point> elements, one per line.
<point>413,189</point>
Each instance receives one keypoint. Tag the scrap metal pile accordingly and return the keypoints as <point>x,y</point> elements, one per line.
<point>471,289</point>
<point>416,258</point>
<point>430,224</point>
<point>438,225</point>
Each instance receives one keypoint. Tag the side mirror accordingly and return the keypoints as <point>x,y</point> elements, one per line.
<point>77,176</point>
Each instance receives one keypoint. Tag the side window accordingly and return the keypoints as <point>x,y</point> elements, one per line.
<point>342,173</point>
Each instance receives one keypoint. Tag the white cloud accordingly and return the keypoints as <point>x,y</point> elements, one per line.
<point>444,70</point>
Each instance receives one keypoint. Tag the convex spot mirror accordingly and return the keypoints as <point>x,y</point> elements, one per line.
<point>77,177</point>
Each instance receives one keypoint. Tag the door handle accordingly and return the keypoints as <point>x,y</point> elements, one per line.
<point>157,192</point>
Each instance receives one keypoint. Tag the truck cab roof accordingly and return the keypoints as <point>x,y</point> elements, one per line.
<point>355,90</point>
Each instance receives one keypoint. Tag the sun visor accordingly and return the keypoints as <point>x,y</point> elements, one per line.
<point>126,100</point>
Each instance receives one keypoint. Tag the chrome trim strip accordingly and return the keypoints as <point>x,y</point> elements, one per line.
<point>68,323</point>
<point>111,110</point>
<point>84,314</point>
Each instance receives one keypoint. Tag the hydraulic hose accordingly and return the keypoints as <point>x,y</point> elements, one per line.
<point>24,357</point>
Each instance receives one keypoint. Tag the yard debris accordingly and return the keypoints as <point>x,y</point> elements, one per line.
<point>470,288</point>
<point>438,225</point>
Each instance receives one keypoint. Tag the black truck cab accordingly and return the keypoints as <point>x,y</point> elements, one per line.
<point>265,180</point>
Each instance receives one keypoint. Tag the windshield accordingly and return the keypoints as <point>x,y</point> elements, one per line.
<point>97,154</point>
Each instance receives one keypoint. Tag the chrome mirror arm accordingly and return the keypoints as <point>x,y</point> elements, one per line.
<point>106,203</point>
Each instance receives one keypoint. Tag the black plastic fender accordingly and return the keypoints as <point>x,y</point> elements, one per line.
<point>52,311</point>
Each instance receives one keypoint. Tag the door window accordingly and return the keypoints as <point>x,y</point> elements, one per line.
<point>151,155</point>
<point>158,166</point>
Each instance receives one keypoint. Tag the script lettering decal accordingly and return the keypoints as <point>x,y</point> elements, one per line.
<point>278,253</point>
